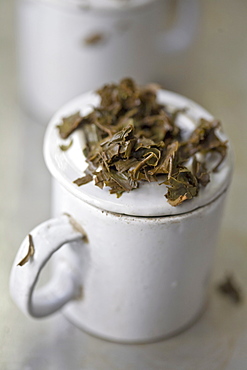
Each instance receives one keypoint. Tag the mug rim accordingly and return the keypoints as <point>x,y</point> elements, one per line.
<point>167,218</point>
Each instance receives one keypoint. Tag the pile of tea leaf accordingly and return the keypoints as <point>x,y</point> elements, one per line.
<point>131,137</point>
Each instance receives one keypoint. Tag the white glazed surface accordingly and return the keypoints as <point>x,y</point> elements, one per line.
<point>143,278</point>
<point>137,279</point>
<point>56,64</point>
<point>148,199</point>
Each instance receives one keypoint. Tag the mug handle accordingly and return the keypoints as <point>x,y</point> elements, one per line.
<point>184,29</point>
<point>33,254</point>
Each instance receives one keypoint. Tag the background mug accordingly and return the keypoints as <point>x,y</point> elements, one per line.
<point>128,269</point>
<point>68,47</point>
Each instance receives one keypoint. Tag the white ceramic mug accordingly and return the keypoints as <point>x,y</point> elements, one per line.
<point>68,47</point>
<point>141,272</point>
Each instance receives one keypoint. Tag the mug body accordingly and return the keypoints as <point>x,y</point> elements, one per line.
<point>143,278</point>
<point>67,50</point>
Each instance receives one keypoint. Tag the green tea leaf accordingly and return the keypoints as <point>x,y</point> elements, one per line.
<point>69,125</point>
<point>64,148</point>
<point>131,137</point>
<point>30,252</point>
<point>200,171</point>
<point>181,188</point>
<point>83,180</point>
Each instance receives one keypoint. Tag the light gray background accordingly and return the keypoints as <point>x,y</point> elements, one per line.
<point>214,74</point>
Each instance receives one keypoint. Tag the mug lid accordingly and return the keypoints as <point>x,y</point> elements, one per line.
<point>147,200</point>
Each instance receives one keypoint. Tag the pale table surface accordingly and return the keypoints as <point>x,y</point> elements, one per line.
<point>214,73</point>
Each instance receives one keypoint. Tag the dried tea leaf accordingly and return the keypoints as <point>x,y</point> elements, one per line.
<point>200,171</point>
<point>69,124</point>
<point>77,227</point>
<point>122,181</point>
<point>144,142</point>
<point>171,162</point>
<point>100,179</point>
<point>124,165</point>
<point>30,252</point>
<point>83,180</point>
<point>131,137</point>
<point>95,38</point>
<point>204,139</point>
<point>64,148</point>
<point>230,289</point>
<point>182,187</point>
